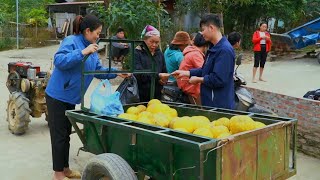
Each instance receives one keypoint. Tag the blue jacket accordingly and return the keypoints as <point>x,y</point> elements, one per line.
<point>65,81</point>
<point>217,90</point>
<point>173,60</point>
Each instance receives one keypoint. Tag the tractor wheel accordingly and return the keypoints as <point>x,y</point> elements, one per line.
<point>18,113</point>
<point>108,166</point>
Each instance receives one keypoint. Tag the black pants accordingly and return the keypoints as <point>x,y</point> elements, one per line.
<point>260,57</point>
<point>118,52</point>
<point>60,130</point>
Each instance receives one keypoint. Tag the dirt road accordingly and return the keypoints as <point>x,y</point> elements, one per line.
<point>28,157</point>
<point>289,77</point>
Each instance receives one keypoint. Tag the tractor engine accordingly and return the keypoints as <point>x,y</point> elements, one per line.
<point>26,84</point>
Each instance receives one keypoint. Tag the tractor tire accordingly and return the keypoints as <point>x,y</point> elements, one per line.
<point>18,113</point>
<point>108,166</point>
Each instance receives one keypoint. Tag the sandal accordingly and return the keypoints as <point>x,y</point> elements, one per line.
<point>74,174</point>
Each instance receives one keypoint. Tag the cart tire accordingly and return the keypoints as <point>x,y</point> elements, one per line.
<point>318,57</point>
<point>18,113</point>
<point>108,166</point>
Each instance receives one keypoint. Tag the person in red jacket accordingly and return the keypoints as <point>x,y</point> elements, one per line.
<point>261,46</point>
<point>193,58</point>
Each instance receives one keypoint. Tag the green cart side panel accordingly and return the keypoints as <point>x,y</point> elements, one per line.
<point>271,153</point>
<point>239,160</point>
<point>93,143</point>
<point>109,139</point>
<point>169,161</point>
<point>263,155</point>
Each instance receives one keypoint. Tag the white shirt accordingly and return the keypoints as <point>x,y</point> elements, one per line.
<point>263,41</point>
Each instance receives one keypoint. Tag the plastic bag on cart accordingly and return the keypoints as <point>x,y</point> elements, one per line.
<point>104,101</point>
<point>129,92</point>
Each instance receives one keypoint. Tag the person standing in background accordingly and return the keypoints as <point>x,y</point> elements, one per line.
<point>173,54</point>
<point>119,50</point>
<point>193,58</point>
<point>234,39</point>
<point>261,46</point>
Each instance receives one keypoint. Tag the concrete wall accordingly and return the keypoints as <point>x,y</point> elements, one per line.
<point>306,111</point>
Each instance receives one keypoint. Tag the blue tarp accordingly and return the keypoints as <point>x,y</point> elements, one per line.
<point>305,35</point>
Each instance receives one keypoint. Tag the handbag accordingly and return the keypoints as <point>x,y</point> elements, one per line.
<point>129,91</point>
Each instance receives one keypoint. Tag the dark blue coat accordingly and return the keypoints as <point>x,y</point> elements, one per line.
<point>217,90</point>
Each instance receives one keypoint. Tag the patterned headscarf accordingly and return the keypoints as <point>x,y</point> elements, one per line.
<point>149,31</point>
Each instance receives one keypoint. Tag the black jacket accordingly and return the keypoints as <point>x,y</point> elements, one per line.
<point>144,62</point>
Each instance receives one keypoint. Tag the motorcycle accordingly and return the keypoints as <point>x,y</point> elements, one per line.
<point>243,98</point>
<point>172,93</point>
<point>314,95</point>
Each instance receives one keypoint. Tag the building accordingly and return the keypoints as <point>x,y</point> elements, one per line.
<point>63,12</point>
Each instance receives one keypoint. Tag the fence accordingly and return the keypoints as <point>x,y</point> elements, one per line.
<point>29,36</point>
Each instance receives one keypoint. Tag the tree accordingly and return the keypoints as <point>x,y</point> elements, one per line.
<point>132,15</point>
<point>201,7</point>
<point>37,17</point>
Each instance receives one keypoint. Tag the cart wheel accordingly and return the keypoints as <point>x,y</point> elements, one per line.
<point>18,113</point>
<point>108,166</point>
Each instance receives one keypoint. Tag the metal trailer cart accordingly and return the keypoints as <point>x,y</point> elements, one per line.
<point>128,150</point>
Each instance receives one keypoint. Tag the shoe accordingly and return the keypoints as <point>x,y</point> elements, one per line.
<point>74,175</point>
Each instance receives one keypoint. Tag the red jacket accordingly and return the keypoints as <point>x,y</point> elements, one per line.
<point>256,41</point>
<point>193,58</point>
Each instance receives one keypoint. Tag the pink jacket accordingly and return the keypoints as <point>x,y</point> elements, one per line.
<point>193,58</point>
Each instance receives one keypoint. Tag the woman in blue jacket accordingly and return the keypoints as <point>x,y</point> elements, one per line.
<point>63,90</point>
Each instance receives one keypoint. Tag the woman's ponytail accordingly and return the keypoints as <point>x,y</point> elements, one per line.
<point>77,24</point>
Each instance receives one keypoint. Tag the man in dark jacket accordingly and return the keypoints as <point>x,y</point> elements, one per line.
<point>216,75</point>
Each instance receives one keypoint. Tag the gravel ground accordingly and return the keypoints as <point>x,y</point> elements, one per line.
<point>28,157</point>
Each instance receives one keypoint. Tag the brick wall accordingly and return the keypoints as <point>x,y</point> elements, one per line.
<point>306,111</point>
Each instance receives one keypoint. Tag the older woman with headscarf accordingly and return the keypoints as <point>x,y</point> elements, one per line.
<point>151,36</point>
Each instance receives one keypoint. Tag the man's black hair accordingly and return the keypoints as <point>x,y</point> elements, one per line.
<point>120,29</point>
<point>234,38</point>
<point>199,40</point>
<point>211,19</point>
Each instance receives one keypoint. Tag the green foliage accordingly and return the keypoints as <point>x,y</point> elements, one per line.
<point>8,8</point>
<point>37,17</point>
<point>133,16</point>
<point>205,6</point>
<point>6,43</point>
